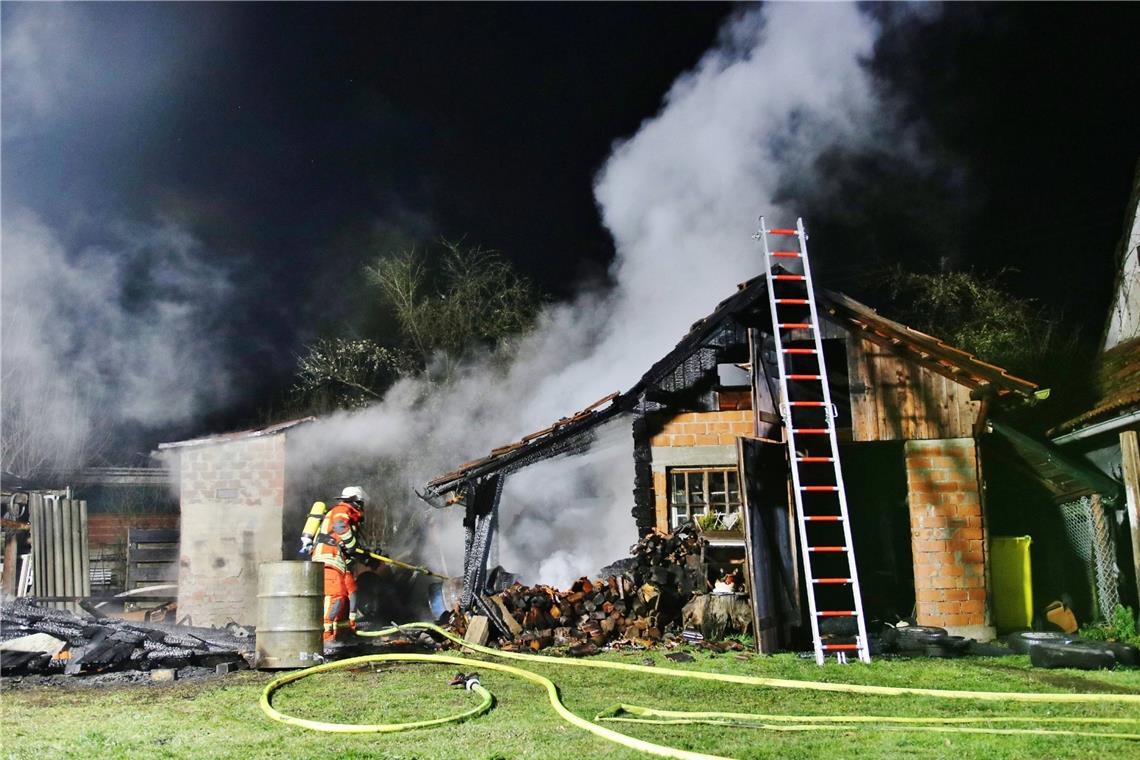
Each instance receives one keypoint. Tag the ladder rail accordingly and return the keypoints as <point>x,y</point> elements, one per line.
<point>856,591</point>
<point>790,439</point>
<point>787,406</point>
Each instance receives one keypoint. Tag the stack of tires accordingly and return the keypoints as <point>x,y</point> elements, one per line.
<point>927,640</point>
<point>1047,649</point>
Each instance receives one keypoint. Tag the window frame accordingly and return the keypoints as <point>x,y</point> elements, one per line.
<point>708,505</point>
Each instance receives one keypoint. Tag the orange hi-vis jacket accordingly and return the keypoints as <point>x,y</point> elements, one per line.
<point>336,544</point>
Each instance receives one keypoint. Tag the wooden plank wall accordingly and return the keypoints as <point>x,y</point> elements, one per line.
<point>152,557</point>
<point>895,400</point>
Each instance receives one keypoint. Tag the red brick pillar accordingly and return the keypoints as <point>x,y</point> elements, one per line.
<point>948,536</point>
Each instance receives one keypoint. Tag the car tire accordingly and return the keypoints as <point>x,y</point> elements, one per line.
<point>1126,654</point>
<point>1025,641</point>
<point>916,638</point>
<point>1080,655</point>
<point>948,646</point>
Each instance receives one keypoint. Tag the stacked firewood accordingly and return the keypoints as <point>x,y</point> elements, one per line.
<point>633,607</point>
<point>88,645</point>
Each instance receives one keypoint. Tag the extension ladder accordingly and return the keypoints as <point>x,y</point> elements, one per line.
<point>813,453</point>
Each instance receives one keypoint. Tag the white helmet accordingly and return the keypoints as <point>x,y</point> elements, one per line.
<point>354,493</point>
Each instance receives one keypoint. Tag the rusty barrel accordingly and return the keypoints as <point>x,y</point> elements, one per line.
<point>289,600</point>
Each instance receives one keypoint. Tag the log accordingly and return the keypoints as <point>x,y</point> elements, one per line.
<point>478,630</point>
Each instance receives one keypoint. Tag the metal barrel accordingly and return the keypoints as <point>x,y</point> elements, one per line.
<point>289,600</point>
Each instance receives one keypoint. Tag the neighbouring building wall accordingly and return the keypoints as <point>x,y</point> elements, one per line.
<point>233,497</point>
<point>895,400</point>
<point>1124,317</point>
<point>111,529</point>
<point>948,536</point>
<point>694,439</point>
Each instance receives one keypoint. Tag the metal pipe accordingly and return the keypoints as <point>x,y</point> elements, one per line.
<point>35,515</point>
<point>44,587</point>
<point>67,587</point>
<point>85,548</point>
<point>76,551</point>
<point>56,553</point>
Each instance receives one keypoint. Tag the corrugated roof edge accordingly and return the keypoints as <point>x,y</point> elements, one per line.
<point>1114,401</point>
<point>237,435</point>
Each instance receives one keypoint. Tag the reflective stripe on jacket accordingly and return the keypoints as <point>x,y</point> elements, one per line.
<point>336,544</point>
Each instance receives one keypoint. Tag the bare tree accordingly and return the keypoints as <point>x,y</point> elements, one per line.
<point>343,374</point>
<point>47,424</point>
<point>475,299</point>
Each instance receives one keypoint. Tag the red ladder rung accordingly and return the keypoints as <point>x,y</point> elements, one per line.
<point>819,488</point>
<point>795,325</point>
<point>841,647</point>
<point>827,548</point>
<point>786,254</point>
<point>832,581</point>
<point>823,518</point>
<point>810,431</point>
<point>836,613</point>
<point>806,403</point>
<point>804,377</point>
<point>792,300</point>
<point>799,350</point>
<point>789,277</point>
<point>815,459</point>
<point>782,231</point>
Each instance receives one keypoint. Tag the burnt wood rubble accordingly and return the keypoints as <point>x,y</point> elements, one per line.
<point>89,645</point>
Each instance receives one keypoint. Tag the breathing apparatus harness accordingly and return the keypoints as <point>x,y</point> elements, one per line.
<point>311,535</point>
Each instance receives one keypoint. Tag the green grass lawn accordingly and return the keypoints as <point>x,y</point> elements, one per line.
<point>220,718</point>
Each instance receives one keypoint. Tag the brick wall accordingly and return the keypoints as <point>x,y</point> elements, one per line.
<point>704,429</point>
<point>948,536</point>
<point>232,497</point>
<point>110,529</point>
<point>711,438</point>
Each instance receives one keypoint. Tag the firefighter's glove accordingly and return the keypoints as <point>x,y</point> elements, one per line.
<point>371,562</point>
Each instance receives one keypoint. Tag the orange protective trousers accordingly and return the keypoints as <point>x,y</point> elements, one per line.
<point>340,600</point>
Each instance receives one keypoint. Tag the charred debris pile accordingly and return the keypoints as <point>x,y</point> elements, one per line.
<point>49,641</point>
<point>637,603</point>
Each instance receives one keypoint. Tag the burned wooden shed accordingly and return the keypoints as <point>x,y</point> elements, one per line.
<point>708,448</point>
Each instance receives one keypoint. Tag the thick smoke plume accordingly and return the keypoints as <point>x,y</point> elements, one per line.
<point>97,336</point>
<point>681,199</point>
<point>110,325</point>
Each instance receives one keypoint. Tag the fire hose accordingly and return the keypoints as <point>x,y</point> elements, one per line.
<point>405,565</point>
<point>633,713</point>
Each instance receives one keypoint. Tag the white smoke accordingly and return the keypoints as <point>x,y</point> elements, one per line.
<point>98,335</point>
<point>107,323</point>
<point>681,198</point>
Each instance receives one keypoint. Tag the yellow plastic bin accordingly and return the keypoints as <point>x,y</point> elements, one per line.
<point>1012,582</point>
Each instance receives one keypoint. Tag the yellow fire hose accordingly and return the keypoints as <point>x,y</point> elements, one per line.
<point>631,713</point>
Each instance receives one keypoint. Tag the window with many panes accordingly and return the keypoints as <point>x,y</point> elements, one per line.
<point>694,492</point>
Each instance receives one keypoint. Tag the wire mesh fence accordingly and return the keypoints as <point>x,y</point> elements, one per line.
<point>1087,528</point>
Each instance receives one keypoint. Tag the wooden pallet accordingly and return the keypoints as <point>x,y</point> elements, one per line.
<point>152,558</point>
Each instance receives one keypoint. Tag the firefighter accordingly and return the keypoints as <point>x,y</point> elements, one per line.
<point>337,547</point>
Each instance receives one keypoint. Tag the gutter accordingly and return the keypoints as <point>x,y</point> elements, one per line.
<point>1098,428</point>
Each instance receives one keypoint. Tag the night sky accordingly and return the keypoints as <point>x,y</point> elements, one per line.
<point>296,142</point>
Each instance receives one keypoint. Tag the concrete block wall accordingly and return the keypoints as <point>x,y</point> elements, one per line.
<point>948,538</point>
<point>694,439</point>
<point>233,496</point>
